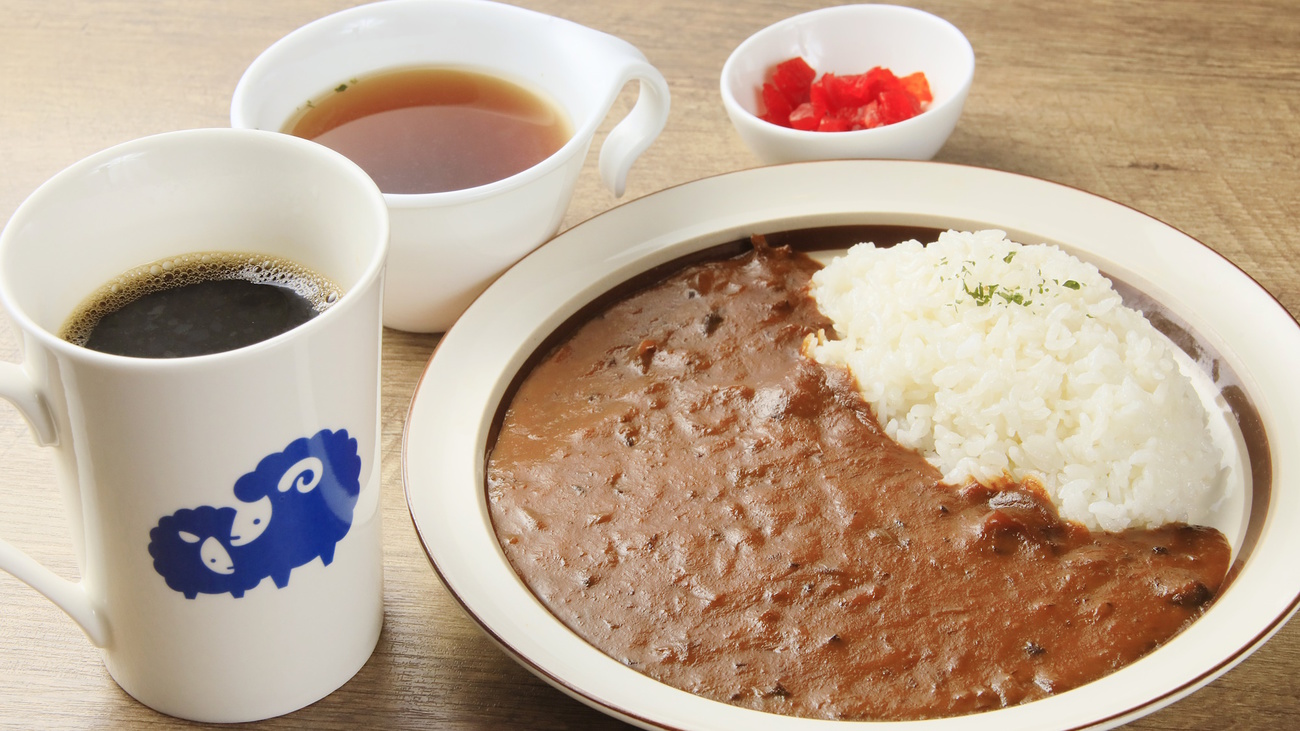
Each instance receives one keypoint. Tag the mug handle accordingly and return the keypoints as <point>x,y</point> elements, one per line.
<point>631,136</point>
<point>17,388</point>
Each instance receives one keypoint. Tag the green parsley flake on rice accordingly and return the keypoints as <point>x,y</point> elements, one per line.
<point>993,358</point>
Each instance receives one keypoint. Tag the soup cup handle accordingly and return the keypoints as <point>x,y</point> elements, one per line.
<point>631,136</point>
<point>71,597</point>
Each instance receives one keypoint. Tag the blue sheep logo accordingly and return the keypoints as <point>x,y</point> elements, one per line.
<point>293,508</point>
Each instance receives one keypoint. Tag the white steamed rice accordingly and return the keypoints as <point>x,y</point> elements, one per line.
<point>1047,375</point>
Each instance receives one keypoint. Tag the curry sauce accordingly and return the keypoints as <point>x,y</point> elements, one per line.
<point>686,491</point>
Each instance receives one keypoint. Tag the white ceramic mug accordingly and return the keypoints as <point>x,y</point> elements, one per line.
<point>212,599</point>
<point>447,247</point>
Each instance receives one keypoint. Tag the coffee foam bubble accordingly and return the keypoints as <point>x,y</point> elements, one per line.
<point>178,271</point>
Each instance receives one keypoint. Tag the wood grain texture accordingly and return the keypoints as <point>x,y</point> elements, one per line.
<point>1184,109</point>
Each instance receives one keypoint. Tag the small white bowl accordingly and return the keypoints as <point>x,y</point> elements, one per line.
<point>852,39</point>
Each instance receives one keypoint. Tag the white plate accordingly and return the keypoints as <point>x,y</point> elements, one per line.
<point>1245,340</point>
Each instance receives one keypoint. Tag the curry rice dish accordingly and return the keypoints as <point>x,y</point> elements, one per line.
<point>692,495</point>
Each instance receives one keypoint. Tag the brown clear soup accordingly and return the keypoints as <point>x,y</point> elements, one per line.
<point>431,130</point>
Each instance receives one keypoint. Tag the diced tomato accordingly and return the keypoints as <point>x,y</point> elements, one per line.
<point>918,86</point>
<point>881,80</point>
<point>778,108</point>
<point>819,95</point>
<point>846,91</point>
<point>858,90</point>
<point>867,116</point>
<point>834,124</point>
<point>793,79</point>
<point>897,105</point>
<point>806,117</point>
<point>796,98</point>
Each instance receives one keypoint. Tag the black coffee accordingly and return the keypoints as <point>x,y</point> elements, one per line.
<point>198,304</point>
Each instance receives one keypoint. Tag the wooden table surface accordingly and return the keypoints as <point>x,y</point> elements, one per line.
<point>1187,110</point>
